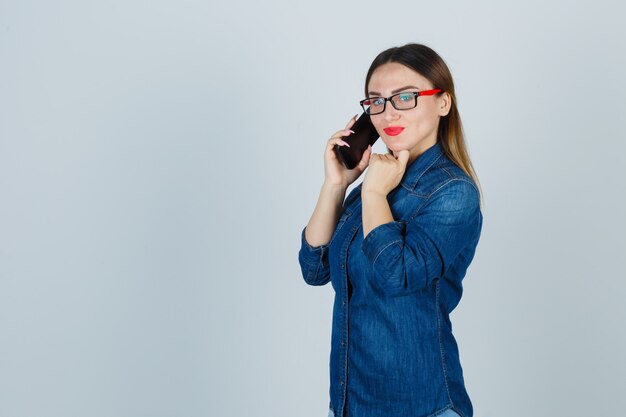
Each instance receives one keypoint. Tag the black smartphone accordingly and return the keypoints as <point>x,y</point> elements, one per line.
<point>364,135</point>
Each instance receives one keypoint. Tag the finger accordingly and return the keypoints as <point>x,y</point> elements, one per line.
<point>341,133</point>
<point>403,157</point>
<point>365,159</point>
<point>336,141</point>
<point>366,153</point>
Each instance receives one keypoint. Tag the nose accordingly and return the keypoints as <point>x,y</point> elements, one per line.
<point>390,113</point>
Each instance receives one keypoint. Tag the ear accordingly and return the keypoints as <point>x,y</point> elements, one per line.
<point>444,103</point>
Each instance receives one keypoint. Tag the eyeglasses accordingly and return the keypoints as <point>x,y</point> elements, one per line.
<point>400,101</point>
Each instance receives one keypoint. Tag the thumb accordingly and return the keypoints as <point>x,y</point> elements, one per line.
<point>365,159</point>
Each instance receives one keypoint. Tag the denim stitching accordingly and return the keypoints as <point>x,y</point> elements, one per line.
<point>448,172</point>
<point>444,184</point>
<point>416,212</point>
<point>443,359</point>
<point>313,269</point>
<point>457,179</point>
<point>311,273</point>
<point>314,263</point>
<point>346,321</point>
<point>314,249</point>
<point>383,249</point>
<point>317,248</point>
<point>457,411</point>
<point>441,185</point>
<point>437,413</point>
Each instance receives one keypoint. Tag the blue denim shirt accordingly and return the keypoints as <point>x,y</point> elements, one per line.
<point>393,353</point>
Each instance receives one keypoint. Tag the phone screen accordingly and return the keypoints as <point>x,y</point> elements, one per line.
<point>365,134</point>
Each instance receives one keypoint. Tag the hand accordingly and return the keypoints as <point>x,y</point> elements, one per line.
<point>385,172</point>
<point>335,172</point>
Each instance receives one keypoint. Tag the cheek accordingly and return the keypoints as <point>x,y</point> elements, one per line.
<point>424,120</point>
<point>378,126</point>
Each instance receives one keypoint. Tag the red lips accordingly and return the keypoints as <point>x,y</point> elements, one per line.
<point>393,130</point>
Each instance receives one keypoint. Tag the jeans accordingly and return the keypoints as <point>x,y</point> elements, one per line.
<point>448,413</point>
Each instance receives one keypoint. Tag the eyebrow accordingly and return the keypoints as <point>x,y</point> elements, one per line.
<point>395,91</point>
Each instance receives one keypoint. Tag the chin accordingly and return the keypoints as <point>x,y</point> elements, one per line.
<point>395,147</point>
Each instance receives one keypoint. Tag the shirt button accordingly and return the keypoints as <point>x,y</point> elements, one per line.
<point>343,266</point>
<point>343,303</point>
<point>343,343</point>
<point>341,382</point>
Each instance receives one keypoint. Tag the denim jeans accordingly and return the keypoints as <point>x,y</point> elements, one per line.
<point>448,413</point>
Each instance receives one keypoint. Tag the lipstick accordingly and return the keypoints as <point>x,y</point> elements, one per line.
<point>393,130</point>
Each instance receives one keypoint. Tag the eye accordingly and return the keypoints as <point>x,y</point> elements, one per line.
<point>405,97</point>
<point>377,102</point>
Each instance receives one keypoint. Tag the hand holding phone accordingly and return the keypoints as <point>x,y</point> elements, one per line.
<point>335,171</point>
<point>365,134</point>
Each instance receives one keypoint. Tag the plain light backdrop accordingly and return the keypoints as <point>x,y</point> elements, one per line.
<point>158,161</point>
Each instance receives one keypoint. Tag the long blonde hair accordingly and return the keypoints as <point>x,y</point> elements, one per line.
<point>430,65</point>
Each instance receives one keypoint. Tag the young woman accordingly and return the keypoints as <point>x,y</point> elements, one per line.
<point>398,247</point>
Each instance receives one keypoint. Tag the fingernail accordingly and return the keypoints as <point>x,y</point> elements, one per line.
<point>346,143</point>
<point>351,130</point>
<point>356,115</point>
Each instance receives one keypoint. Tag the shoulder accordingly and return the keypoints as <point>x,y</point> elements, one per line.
<point>445,177</point>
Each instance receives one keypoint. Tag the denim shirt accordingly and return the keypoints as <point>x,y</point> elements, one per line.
<point>393,353</point>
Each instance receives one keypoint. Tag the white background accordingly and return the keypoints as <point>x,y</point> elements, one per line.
<point>158,161</point>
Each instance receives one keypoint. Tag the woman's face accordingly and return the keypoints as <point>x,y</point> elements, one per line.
<point>420,123</point>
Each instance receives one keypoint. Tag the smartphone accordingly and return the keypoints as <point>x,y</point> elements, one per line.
<point>364,135</point>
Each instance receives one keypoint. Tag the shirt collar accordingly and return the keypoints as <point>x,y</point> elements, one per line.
<point>417,168</point>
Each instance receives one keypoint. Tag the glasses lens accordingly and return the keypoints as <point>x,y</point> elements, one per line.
<point>404,101</point>
<point>374,105</point>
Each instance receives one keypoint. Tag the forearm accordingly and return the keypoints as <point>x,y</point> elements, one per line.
<point>324,219</point>
<point>376,211</point>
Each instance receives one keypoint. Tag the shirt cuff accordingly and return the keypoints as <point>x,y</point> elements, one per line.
<point>380,238</point>
<point>311,254</point>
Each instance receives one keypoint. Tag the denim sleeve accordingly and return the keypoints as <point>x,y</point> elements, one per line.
<point>314,262</point>
<point>407,257</point>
